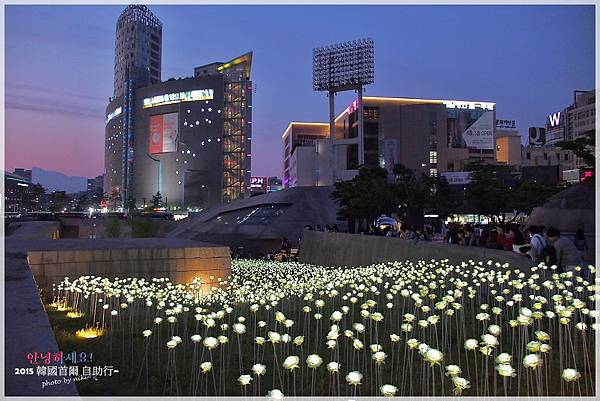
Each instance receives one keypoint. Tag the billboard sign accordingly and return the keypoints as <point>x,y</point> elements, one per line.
<point>163,133</point>
<point>457,177</point>
<point>259,184</point>
<point>506,124</point>
<point>480,134</point>
<point>554,119</point>
<point>177,97</point>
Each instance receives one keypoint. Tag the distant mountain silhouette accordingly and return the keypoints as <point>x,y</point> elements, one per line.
<point>56,181</point>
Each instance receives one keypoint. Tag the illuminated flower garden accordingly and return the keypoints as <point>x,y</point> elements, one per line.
<point>391,329</point>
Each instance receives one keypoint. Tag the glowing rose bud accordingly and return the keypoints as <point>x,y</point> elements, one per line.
<point>534,346</point>
<point>279,317</point>
<point>503,358</point>
<point>471,344</point>
<point>378,317</point>
<point>210,342</point>
<point>353,378</point>
<point>245,379</point>
<point>223,340</point>
<point>532,361</point>
<point>412,343</point>
<point>387,390</point>
<point>331,344</point>
<point>375,347</point>
<point>336,316</point>
<point>171,344</point>
<point>259,369</point>
<point>489,340</point>
<point>453,370</point>
<point>261,323</point>
<point>333,367</point>
<point>239,328</point>
<point>433,356</point>
<point>275,395</point>
<point>394,338</point>
<point>259,340</point>
<point>359,327</point>
<point>570,375</point>
<point>460,384</point>
<point>318,316</point>
<point>349,333</point>
<point>409,317</point>
<point>495,330</point>
<point>357,344</point>
<point>486,350</point>
<point>291,362</point>
<point>364,313</point>
<point>274,337</point>
<point>581,326</point>
<point>505,370</point>
<point>286,338</point>
<point>206,367</point>
<point>423,323</point>
<point>196,338</point>
<point>542,336</point>
<point>319,303</point>
<point>313,361</point>
<point>379,357</point>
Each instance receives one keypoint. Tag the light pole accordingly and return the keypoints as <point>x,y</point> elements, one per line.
<point>159,173</point>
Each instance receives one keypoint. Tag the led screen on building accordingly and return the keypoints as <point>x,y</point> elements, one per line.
<point>470,128</point>
<point>163,133</point>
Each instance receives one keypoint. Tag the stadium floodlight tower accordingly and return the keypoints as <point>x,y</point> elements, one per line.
<point>343,67</point>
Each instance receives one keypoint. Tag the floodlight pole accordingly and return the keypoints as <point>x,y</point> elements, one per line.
<point>332,134</point>
<point>361,132</point>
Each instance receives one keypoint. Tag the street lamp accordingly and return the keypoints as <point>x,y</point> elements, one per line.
<point>159,172</point>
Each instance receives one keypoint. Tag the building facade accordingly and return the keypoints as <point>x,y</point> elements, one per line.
<point>573,121</point>
<point>429,136</point>
<point>95,185</point>
<point>188,139</point>
<point>138,48</point>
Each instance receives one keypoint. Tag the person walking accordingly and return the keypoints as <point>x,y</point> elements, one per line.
<point>568,256</point>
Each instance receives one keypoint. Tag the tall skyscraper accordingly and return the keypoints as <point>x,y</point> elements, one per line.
<point>138,48</point>
<point>188,139</point>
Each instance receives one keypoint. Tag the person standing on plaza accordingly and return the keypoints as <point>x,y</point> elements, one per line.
<point>580,241</point>
<point>567,255</point>
<point>537,241</point>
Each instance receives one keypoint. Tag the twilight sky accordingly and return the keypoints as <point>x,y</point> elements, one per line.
<point>59,66</point>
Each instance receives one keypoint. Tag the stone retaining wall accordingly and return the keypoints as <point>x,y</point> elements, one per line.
<point>180,265</point>
<point>338,249</point>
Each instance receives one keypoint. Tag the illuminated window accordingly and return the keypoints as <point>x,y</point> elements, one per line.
<point>433,157</point>
<point>433,172</point>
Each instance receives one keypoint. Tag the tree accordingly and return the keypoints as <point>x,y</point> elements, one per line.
<point>366,196</point>
<point>157,200</point>
<point>489,194</point>
<point>583,147</point>
<point>528,195</point>
<point>486,193</point>
<point>58,201</point>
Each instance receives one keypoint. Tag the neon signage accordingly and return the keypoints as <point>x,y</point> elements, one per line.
<point>458,104</point>
<point>554,119</point>
<point>353,106</point>
<point>112,115</point>
<point>178,97</point>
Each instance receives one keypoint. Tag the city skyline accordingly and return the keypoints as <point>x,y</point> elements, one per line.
<point>58,110</point>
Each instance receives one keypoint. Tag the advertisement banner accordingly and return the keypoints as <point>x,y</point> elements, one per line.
<point>457,177</point>
<point>480,135</point>
<point>163,133</point>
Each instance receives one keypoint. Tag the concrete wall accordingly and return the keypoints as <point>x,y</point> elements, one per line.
<point>180,265</point>
<point>337,249</point>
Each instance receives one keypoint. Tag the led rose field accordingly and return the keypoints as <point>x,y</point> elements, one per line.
<point>390,329</point>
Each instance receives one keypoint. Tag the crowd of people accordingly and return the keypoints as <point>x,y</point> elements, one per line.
<point>539,243</point>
